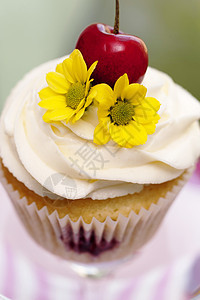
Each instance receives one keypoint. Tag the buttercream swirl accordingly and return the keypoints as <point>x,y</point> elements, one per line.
<point>62,160</point>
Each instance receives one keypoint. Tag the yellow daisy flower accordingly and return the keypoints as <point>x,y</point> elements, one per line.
<point>68,93</point>
<point>125,115</point>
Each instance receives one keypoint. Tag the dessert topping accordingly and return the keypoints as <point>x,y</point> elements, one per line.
<point>69,90</point>
<point>125,114</point>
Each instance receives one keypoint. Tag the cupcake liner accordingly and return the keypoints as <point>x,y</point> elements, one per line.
<point>95,242</point>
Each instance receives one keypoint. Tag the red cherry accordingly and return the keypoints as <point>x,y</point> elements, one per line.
<point>116,54</point>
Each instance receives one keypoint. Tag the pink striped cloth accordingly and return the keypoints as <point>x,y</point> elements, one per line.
<point>21,279</point>
<point>25,278</point>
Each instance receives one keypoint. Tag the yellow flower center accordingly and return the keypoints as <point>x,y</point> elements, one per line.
<point>75,94</point>
<point>122,113</point>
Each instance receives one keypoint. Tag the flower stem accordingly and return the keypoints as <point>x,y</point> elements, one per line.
<point>116,27</point>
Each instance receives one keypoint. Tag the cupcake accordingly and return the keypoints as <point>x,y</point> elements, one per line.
<point>84,188</point>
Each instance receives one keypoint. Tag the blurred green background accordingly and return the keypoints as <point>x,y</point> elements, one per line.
<point>32,32</point>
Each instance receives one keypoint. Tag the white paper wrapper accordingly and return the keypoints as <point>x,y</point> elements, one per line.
<point>95,242</point>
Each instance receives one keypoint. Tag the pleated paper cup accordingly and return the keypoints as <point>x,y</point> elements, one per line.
<point>96,241</point>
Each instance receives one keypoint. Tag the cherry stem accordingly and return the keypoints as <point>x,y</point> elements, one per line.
<point>116,27</point>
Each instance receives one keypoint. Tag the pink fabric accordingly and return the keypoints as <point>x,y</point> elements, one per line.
<point>196,176</point>
<point>79,289</point>
<point>127,292</point>
<point>43,285</point>
<point>151,276</point>
<point>194,278</point>
<point>9,274</point>
<point>162,286</point>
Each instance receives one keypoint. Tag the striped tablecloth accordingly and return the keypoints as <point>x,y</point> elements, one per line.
<point>20,279</point>
<point>24,278</point>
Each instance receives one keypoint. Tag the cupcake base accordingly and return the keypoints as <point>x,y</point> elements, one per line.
<point>89,231</point>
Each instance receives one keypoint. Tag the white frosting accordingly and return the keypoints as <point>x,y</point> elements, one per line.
<point>63,161</point>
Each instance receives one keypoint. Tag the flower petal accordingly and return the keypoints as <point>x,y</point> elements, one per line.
<point>147,111</point>
<point>104,95</point>
<point>116,133</point>
<point>135,133</point>
<point>58,101</point>
<point>46,117</point>
<point>57,82</point>
<point>153,102</point>
<point>79,66</point>
<point>149,127</point>
<point>47,93</point>
<point>129,135</point>
<point>101,133</point>
<point>156,118</point>
<point>102,112</point>
<point>91,69</point>
<point>59,69</point>
<point>78,115</point>
<point>90,98</point>
<point>120,85</point>
<point>134,93</point>
<point>68,70</point>
<point>82,102</point>
<point>87,87</point>
<point>59,114</point>
<point>74,53</point>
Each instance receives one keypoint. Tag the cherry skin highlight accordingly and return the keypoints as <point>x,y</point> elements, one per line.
<point>116,54</point>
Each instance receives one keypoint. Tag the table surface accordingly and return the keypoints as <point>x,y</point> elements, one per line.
<point>177,237</point>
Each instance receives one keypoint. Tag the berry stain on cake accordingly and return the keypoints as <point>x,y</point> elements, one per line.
<point>81,244</point>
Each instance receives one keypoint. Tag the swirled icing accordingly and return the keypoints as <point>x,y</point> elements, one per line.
<point>57,158</point>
